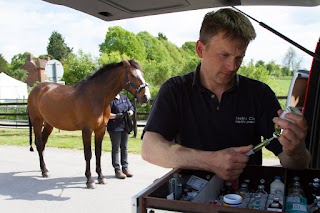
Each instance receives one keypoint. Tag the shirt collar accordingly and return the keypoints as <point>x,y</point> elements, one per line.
<point>196,81</point>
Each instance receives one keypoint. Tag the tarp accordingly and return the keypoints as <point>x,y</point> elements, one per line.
<point>12,89</point>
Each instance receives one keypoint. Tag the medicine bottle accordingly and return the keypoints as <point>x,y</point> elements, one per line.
<point>275,206</point>
<point>277,186</point>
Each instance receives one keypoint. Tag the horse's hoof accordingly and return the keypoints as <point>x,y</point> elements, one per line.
<point>91,185</point>
<point>102,180</point>
<point>45,174</point>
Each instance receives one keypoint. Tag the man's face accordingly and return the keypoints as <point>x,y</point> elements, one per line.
<point>221,59</point>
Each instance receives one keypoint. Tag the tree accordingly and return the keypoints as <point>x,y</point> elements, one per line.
<point>161,36</point>
<point>274,69</point>
<point>291,60</point>
<point>14,68</point>
<point>57,47</point>
<point>154,48</point>
<point>258,72</point>
<point>189,47</point>
<point>3,64</point>
<point>113,57</point>
<point>77,67</point>
<point>118,39</point>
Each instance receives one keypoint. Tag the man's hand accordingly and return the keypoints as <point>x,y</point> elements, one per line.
<point>119,115</point>
<point>229,163</point>
<point>293,134</point>
<point>294,154</point>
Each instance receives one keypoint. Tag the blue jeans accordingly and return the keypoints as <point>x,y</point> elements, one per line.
<point>119,140</point>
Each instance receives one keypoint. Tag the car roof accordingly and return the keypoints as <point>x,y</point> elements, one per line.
<point>110,10</point>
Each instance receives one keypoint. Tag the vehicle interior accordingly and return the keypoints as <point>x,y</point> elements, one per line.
<point>305,88</point>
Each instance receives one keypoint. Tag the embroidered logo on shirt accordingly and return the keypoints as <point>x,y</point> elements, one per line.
<point>245,120</point>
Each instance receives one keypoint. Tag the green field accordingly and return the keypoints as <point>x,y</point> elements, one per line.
<point>62,139</point>
<point>73,140</point>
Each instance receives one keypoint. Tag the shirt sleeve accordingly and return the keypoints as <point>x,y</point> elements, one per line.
<point>164,116</point>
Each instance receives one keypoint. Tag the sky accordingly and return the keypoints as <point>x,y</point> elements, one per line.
<point>26,26</point>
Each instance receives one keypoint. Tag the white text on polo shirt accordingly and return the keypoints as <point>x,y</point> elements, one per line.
<point>245,120</point>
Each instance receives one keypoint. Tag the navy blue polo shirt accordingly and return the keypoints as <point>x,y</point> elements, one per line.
<point>117,106</point>
<point>189,114</point>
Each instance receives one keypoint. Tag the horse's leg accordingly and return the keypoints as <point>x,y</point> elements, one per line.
<point>37,128</point>
<point>86,138</point>
<point>46,131</point>
<point>98,137</point>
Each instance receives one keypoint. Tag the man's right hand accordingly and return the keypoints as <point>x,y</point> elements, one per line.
<point>119,115</point>
<point>230,162</point>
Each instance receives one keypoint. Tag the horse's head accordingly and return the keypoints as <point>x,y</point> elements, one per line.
<point>135,83</point>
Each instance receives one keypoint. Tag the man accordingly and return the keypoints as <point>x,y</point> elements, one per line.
<point>209,119</point>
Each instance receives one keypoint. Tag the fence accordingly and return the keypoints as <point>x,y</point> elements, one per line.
<point>24,123</point>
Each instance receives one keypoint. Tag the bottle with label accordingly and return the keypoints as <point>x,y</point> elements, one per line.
<point>315,207</point>
<point>261,191</point>
<point>296,190</point>
<point>229,188</point>
<point>262,196</point>
<point>295,179</point>
<point>312,191</point>
<point>277,186</point>
<point>243,191</point>
<point>248,182</point>
<point>275,206</point>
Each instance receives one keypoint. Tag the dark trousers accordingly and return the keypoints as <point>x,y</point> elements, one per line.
<point>119,140</point>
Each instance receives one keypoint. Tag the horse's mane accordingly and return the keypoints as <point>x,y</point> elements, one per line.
<point>111,66</point>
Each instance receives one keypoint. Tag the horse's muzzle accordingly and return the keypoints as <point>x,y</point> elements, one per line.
<point>144,99</point>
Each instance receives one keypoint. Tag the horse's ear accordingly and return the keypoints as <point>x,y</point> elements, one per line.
<point>125,62</point>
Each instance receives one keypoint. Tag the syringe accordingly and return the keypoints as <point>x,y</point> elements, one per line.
<point>277,132</point>
<point>263,144</point>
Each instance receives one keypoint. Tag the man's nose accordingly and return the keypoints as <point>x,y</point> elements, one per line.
<point>232,64</point>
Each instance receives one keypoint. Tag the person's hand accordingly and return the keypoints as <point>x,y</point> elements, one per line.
<point>294,131</point>
<point>119,115</point>
<point>229,163</point>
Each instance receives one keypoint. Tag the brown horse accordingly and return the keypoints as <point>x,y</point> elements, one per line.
<point>85,106</point>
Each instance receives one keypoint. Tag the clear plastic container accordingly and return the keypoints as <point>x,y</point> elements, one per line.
<point>232,200</point>
<point>277,186</point>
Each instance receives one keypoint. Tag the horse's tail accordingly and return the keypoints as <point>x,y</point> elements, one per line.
<point>30,133</point>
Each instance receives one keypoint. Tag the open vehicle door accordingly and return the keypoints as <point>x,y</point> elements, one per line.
<point>110,10</point>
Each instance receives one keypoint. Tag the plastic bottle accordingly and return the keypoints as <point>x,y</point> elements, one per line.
<point>275,206</point>
<point>261,195</point>
<point>229,188</point>
<point>243,191</point>
<point>296,191</point>
<point>315,207</point>
<point>277,186</point>
<point>248,182</point>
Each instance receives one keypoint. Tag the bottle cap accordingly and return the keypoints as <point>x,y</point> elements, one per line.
<point>232,200</point>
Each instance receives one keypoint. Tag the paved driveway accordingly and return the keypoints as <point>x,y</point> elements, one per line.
<point>22,189</point>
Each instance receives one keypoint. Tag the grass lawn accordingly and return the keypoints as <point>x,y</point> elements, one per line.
<point>73,140</point>
<point>62,139</point>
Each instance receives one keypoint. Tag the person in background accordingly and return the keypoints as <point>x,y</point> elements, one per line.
<point>118,135</point>
<point>210,118</point>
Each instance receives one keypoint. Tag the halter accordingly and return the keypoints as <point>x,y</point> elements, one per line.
<point>137,88</point>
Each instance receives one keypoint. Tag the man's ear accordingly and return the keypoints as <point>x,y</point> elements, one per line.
<point>200,48</point>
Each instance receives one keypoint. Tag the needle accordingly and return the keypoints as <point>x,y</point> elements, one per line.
<point>264,143</point>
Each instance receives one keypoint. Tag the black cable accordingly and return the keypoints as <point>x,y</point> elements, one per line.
<point>281,35</point>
